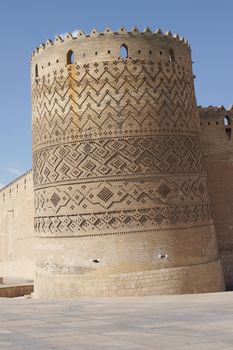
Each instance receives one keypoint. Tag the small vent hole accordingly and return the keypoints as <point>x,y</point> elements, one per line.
<point>162,256</point>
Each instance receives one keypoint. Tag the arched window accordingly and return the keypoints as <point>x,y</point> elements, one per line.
<point>226,120</point>
<point>171,55</point>
<point>70,57</point>
<point>36,71</point>
<point>124,51</point>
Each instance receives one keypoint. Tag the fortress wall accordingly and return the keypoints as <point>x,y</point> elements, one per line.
<point>16,228</point>
<point>121,202</point>
<point>218,148</point>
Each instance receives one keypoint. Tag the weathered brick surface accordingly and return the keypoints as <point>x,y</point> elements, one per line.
<point>181,280</point>
<point>16,228</point>
<point>121,202</point>
<point>218,148</point>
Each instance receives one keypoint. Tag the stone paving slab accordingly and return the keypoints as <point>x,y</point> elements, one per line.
<point>184,322</point>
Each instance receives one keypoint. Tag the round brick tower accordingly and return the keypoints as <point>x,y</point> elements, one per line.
<point>121,202</point>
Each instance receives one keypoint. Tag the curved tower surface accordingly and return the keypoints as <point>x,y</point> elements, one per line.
<point>121,202</point>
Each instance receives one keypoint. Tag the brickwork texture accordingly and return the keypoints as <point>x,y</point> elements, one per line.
<point>120,190</point>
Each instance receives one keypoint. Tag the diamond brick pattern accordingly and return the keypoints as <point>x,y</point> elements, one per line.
<point>116,146</point>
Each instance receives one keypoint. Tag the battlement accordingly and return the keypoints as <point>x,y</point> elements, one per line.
<point>216,115</point>
<point>215,109</point>
<point>80,35</point>
<point>20,183</point>
<point>79,49</point>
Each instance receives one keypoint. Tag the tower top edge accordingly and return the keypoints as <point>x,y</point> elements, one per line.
<point>215,109</point>
<point>80,35</point>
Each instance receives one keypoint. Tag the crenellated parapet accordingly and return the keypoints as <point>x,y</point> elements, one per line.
<point>216,131</point>
<point>80,35</point>
<point>106,45</point>
<point>13,188</point>
<point>216,116</point>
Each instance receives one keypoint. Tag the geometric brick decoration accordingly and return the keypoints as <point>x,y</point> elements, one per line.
<point>119,174</point>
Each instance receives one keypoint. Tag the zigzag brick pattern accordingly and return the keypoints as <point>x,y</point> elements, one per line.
<point>97,103</point>
<point>118,168</point>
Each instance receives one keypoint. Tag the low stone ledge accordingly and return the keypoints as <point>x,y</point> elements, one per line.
<point>14,291</point>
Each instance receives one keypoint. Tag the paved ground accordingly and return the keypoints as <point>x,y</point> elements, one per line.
<point>197,322</point>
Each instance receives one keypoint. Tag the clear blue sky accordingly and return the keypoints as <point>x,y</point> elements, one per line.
<point>24,24</point>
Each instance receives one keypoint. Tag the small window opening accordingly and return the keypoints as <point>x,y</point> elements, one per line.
<point>124,51</point>
<point>70,57</point>
<point>109,51</point>
<point>227,121</point>
<point>96,53</point>
<point>36,71</point>
<point>171,55</point>
<point>150,52</point>
<point>160,52</point>
<point>139,51</point>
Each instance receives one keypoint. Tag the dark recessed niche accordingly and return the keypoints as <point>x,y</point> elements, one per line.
<point>96,261</point>
<point>70,57</point>
<point>36,71</point>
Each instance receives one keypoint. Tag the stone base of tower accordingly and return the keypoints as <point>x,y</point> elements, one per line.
<point>132,264</point>
<point>186,280</point>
